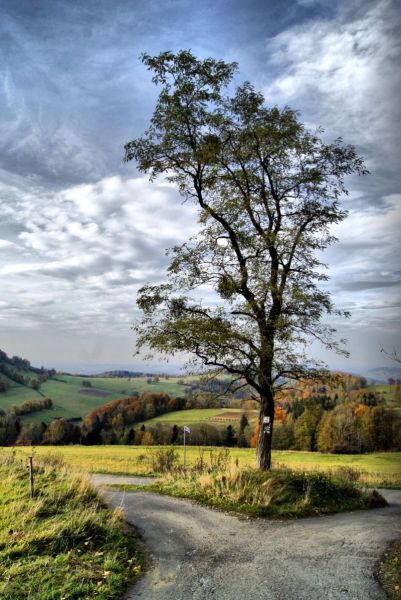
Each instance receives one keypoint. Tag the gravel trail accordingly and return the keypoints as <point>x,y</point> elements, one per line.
<point>204,554</point>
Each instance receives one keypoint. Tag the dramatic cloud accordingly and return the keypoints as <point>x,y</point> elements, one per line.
<point>342,73</point>
<point>87,249</point>
<point>80,231</point>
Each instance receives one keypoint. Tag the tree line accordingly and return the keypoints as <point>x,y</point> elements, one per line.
<point>19,370</point>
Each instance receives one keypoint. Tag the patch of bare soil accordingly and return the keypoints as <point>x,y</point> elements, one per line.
<point>226,416</point>
<point>95,393</point>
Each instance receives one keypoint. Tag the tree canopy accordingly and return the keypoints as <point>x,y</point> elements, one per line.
<point>268,193</point>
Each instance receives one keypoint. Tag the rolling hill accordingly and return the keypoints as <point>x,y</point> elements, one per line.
<point>383,374</point>
<point>74,396</point>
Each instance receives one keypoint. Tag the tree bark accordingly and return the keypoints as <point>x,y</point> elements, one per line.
<point>266,419</point>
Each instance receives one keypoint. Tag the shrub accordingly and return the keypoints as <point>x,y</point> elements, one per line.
<point>164,460</point>
<point>347,473</point>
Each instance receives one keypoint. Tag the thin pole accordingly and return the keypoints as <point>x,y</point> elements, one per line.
<point>31,475</point>
<point>185,451</point>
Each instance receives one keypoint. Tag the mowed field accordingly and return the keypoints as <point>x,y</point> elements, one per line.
<point>218,417</point>
<point>376,469</point>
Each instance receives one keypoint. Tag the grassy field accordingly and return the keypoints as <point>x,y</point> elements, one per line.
<point>71,399</point>
<point>389,393</point>
<point>218,417</point>
<point>62,543</point>
<point>123,386</point>
<point>377,469</point>
<point>17,394</point>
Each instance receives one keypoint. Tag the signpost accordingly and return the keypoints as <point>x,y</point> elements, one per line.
<point>266,425</point>
<point>186,430</point>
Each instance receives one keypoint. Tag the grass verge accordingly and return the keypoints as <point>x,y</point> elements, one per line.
<point>280,493</point>
<point>390,571</point>
<point>64,543</point>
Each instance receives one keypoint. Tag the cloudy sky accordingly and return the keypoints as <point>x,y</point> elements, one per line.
<point>80,230</point>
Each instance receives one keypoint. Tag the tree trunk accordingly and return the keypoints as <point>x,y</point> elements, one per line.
<point>266,419</point>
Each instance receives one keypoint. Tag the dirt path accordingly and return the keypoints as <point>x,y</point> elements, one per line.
<point>203,554</point>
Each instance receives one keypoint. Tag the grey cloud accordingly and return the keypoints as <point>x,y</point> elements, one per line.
<point>367,285</point>
<point>382,306</point>
<point>88,249</point>
<point>347,246</point>
<point>97,265</point>
<point>340,73</point>
<point>74,90</point>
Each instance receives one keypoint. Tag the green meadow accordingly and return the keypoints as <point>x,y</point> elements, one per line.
<point>72,400</point>
<point>390,393</point>
<point>17,394</point>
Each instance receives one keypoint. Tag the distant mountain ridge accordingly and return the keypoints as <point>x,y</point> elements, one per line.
<point>385,373</point>
<point>22,364</point>
<point>122,373</point>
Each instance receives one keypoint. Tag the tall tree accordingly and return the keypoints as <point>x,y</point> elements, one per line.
<point>243,423</point>
<point>267,191</point>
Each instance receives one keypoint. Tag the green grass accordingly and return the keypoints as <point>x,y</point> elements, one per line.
<point>117,385</point>
<point>388,392</point>
<point>17,394</point>
<point>377,469</point>
<point>389,571</point>
<point>64,543</point>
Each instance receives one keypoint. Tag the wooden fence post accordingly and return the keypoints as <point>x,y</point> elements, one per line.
<point>31,478</point>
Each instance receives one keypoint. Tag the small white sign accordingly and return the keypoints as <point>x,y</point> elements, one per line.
<point>266,419</point>
<point>187,429</point>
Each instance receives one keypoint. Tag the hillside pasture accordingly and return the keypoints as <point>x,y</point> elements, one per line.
<point>390,393</point>
<point>71,399</point>
<point>17,394</point>
<point>128,386</point>
<point>218,417</point>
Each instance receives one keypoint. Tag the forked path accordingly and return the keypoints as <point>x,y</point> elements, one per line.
<point>204,554</point>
